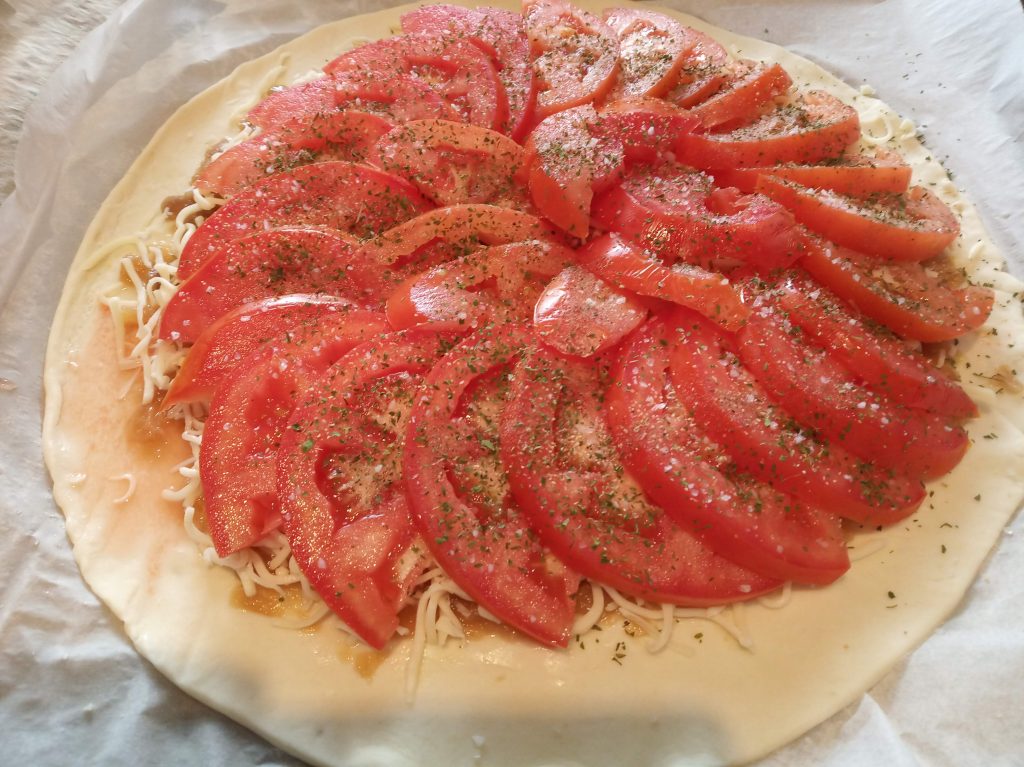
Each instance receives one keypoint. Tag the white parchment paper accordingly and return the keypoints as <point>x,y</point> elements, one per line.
<point>72,689</point>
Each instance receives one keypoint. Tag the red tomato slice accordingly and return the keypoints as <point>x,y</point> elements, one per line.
<point>497,283</point>
<point>652,51</point>
<point>453,163</point>
<point>690,476</point>
<point>447,233</point>
<point>628,266</point>
<point>576,55</point>
<point>567,475</point>
<point>733,409</point>
<point>679,214</point>
<point>825,397</point>
<point>458,70</point>
<point>752,85</point>
<point>346,136</point>
<point>458,493</point>
<point>853,175</point>
<point>350,198</point>
<point>704,70</point>
<point>881,360</point>
<point>502,36</point>
<point>340,483</point>
<point>815,127</point>
<point>648,128</point>
<point>908,227</point>
<point>263,265</point>
<point>236,335</point>
<point>570,160</point>
<point>581,315</point>
<point>395,99</point>
<point>923,302</point>
<point>248,417</point>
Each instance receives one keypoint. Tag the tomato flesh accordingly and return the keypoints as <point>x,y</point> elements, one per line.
<point>734,410</point>
<point>853,175</point>
<point>248,417</point>
<point>502,36</point>
<point>677,213</point>
<point>679,467</point>
<point>459,498</point>
<point>652,51</point>
<point>910,227</point>
<point>453,163</point>
<point>824,397</point>
<point>703,71</point>
<point>566,473</point>
<point>263,265</point>
<point>340,485</point>
<point>879,359</point>
<point>346,136</point>
<point>239,333</point>
<point>751,87</point>
<point>913,300</point>
<point>499,283</point>
<point>575,55</point>
<point>581,315</point>
<point>628,266</point>
<point>331,194</point>
<point>569,161</point>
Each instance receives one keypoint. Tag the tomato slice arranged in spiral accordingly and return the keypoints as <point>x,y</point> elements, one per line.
<point>339,479</point>
<point>262,265</point>
<point>249,416</point>
<point>690,475</point>
<point>652,51</point>
<point>459,497</point>
<point>240,332</point>
<point>567,474</point>
<point>735,411</point>
<point>750,87</point>
<point>331,194</point>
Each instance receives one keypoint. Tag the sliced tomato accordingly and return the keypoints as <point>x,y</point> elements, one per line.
<point>750,87</point>
<point>501,282</point>
<point>458,70</point>
<point>502,36</point>
<point>826,398</point>
<point>928,302</point>
<point>581,315</point>
<point>704,70</point>
<point>447,233</point>
<point>652,51</point>
<point>346,136</point>
<point>914,226</point>
<point>648,128</point>
<point>876,357</point>
<point>628,266</point>
<point>576,55</point>
<point>263,265</point>
<point>221,347</point>
<point>395,99</point>
<point>734,410</point>
<point>459,497</point>
<point>567,475</point>
<point>678,213</point>
<point>854,175</point>
<point>680,468</point>
<point>248,417</point>
<point>570,160</point>
<point>814,127</point>
<point>339,480</point>
<point>351,198</point>
<point>453,163</point>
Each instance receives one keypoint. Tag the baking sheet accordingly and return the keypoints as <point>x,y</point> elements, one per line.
<point>72,690</point>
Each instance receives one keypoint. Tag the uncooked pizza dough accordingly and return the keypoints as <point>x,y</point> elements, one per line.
<point>607,699</point>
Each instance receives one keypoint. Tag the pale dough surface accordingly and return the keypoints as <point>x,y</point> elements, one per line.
<point>526,705</point>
